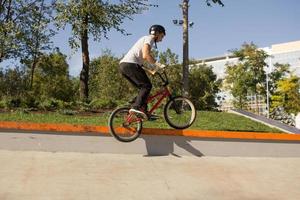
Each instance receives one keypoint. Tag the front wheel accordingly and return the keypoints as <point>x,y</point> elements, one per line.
<point>124,126</point>
<point>180,112</point>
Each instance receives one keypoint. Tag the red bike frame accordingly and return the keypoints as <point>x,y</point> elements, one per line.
<point>163,93</point>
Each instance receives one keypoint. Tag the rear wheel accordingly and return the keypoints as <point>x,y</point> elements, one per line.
<point>124,126</point>
<point>180,112</point>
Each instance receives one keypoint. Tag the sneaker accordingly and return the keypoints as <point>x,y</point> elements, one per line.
<point>138,113</point>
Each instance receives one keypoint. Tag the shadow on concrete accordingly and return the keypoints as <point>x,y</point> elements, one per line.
<point>163,145</point>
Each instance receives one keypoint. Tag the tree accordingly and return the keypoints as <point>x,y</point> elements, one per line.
<point>96,18</point>
<point>248,77</point>
<point>235,80</point>
<point>204,87</point>
<point>287,94</point>
<point>106,82</point>
<point>11,15</point>
<point>36,35</point>
<point>204,83</point>
<point>23,28</point>
<point>168,57</point>
<point>280,71</point>
<point>52,78</point>
<point>174,69</point>
<point>12,82</point>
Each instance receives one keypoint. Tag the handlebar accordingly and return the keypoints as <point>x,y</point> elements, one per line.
<point>161,73</point>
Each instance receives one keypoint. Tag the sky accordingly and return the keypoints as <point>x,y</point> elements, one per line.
<point>216,29</point>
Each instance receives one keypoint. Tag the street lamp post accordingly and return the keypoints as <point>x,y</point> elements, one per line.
<point>185,55</point>
<point>185,52</point>
<point>268,93</point>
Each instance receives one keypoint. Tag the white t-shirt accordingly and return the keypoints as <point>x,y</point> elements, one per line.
<point>135,54</point>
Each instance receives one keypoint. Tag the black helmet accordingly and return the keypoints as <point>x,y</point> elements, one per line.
<point>157,29</point>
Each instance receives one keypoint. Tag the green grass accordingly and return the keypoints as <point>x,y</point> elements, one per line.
<point>204,121</point>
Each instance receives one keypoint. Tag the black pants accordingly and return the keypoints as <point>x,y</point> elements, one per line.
<point>138,77</point>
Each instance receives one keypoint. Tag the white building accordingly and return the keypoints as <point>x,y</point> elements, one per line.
<point>283,53</point>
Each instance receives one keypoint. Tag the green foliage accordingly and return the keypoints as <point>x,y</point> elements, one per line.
<point>235,81</point>
<point>11,13</point>
<point>102,17</point>
<point>29,100</point>
<point>52,81</point>
<point>51,72</point>
<point>106,82</point>
<point>203,87</point>
<point>168,57</point>
<point>24,30</point>
<point>13,82</point>
<point>26,100</point>
<point>36,31</point>
<point>203,82</point>
<point>279,72</point>
<point>103,104</point>
<point>93,18</point>
<point>248,76</point>
<point>51,104</point>
<point>13,102</point>
<point>287,94</point>
<point>175,78</point>
<point>174,70</point>
<point>2,104</point>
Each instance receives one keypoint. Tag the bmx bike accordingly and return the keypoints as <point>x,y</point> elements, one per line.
<point>179,112</point>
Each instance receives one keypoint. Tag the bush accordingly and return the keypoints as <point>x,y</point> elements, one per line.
<point>51,104</point>
<point>30,100</point>
<point>103,104</point>
<point>82,106</point>
<point>10,102</point>
<point>2,103</point>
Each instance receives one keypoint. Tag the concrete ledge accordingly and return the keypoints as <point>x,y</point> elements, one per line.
<point>100,130</point>
<point>153,142</point>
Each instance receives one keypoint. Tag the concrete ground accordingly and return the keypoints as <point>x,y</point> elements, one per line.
<point>37,175</point>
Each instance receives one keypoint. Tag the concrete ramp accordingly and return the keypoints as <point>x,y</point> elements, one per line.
<point>269,122</point>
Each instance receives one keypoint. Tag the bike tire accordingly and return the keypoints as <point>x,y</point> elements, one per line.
<point>119,128</point>
<point>180,112</point>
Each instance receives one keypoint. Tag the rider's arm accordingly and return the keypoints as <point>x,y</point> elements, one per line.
<point>147,54</point>
<point>149,58</point>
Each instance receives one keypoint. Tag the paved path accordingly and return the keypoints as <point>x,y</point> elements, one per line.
<point>33,175</point>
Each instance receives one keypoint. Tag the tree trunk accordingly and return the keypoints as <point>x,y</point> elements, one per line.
<point>7,19</point>
<point>84,74</point>
<point>1,57</point>
<point>185,63</point>
<point>36,48</point>
<point>33,66</point>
